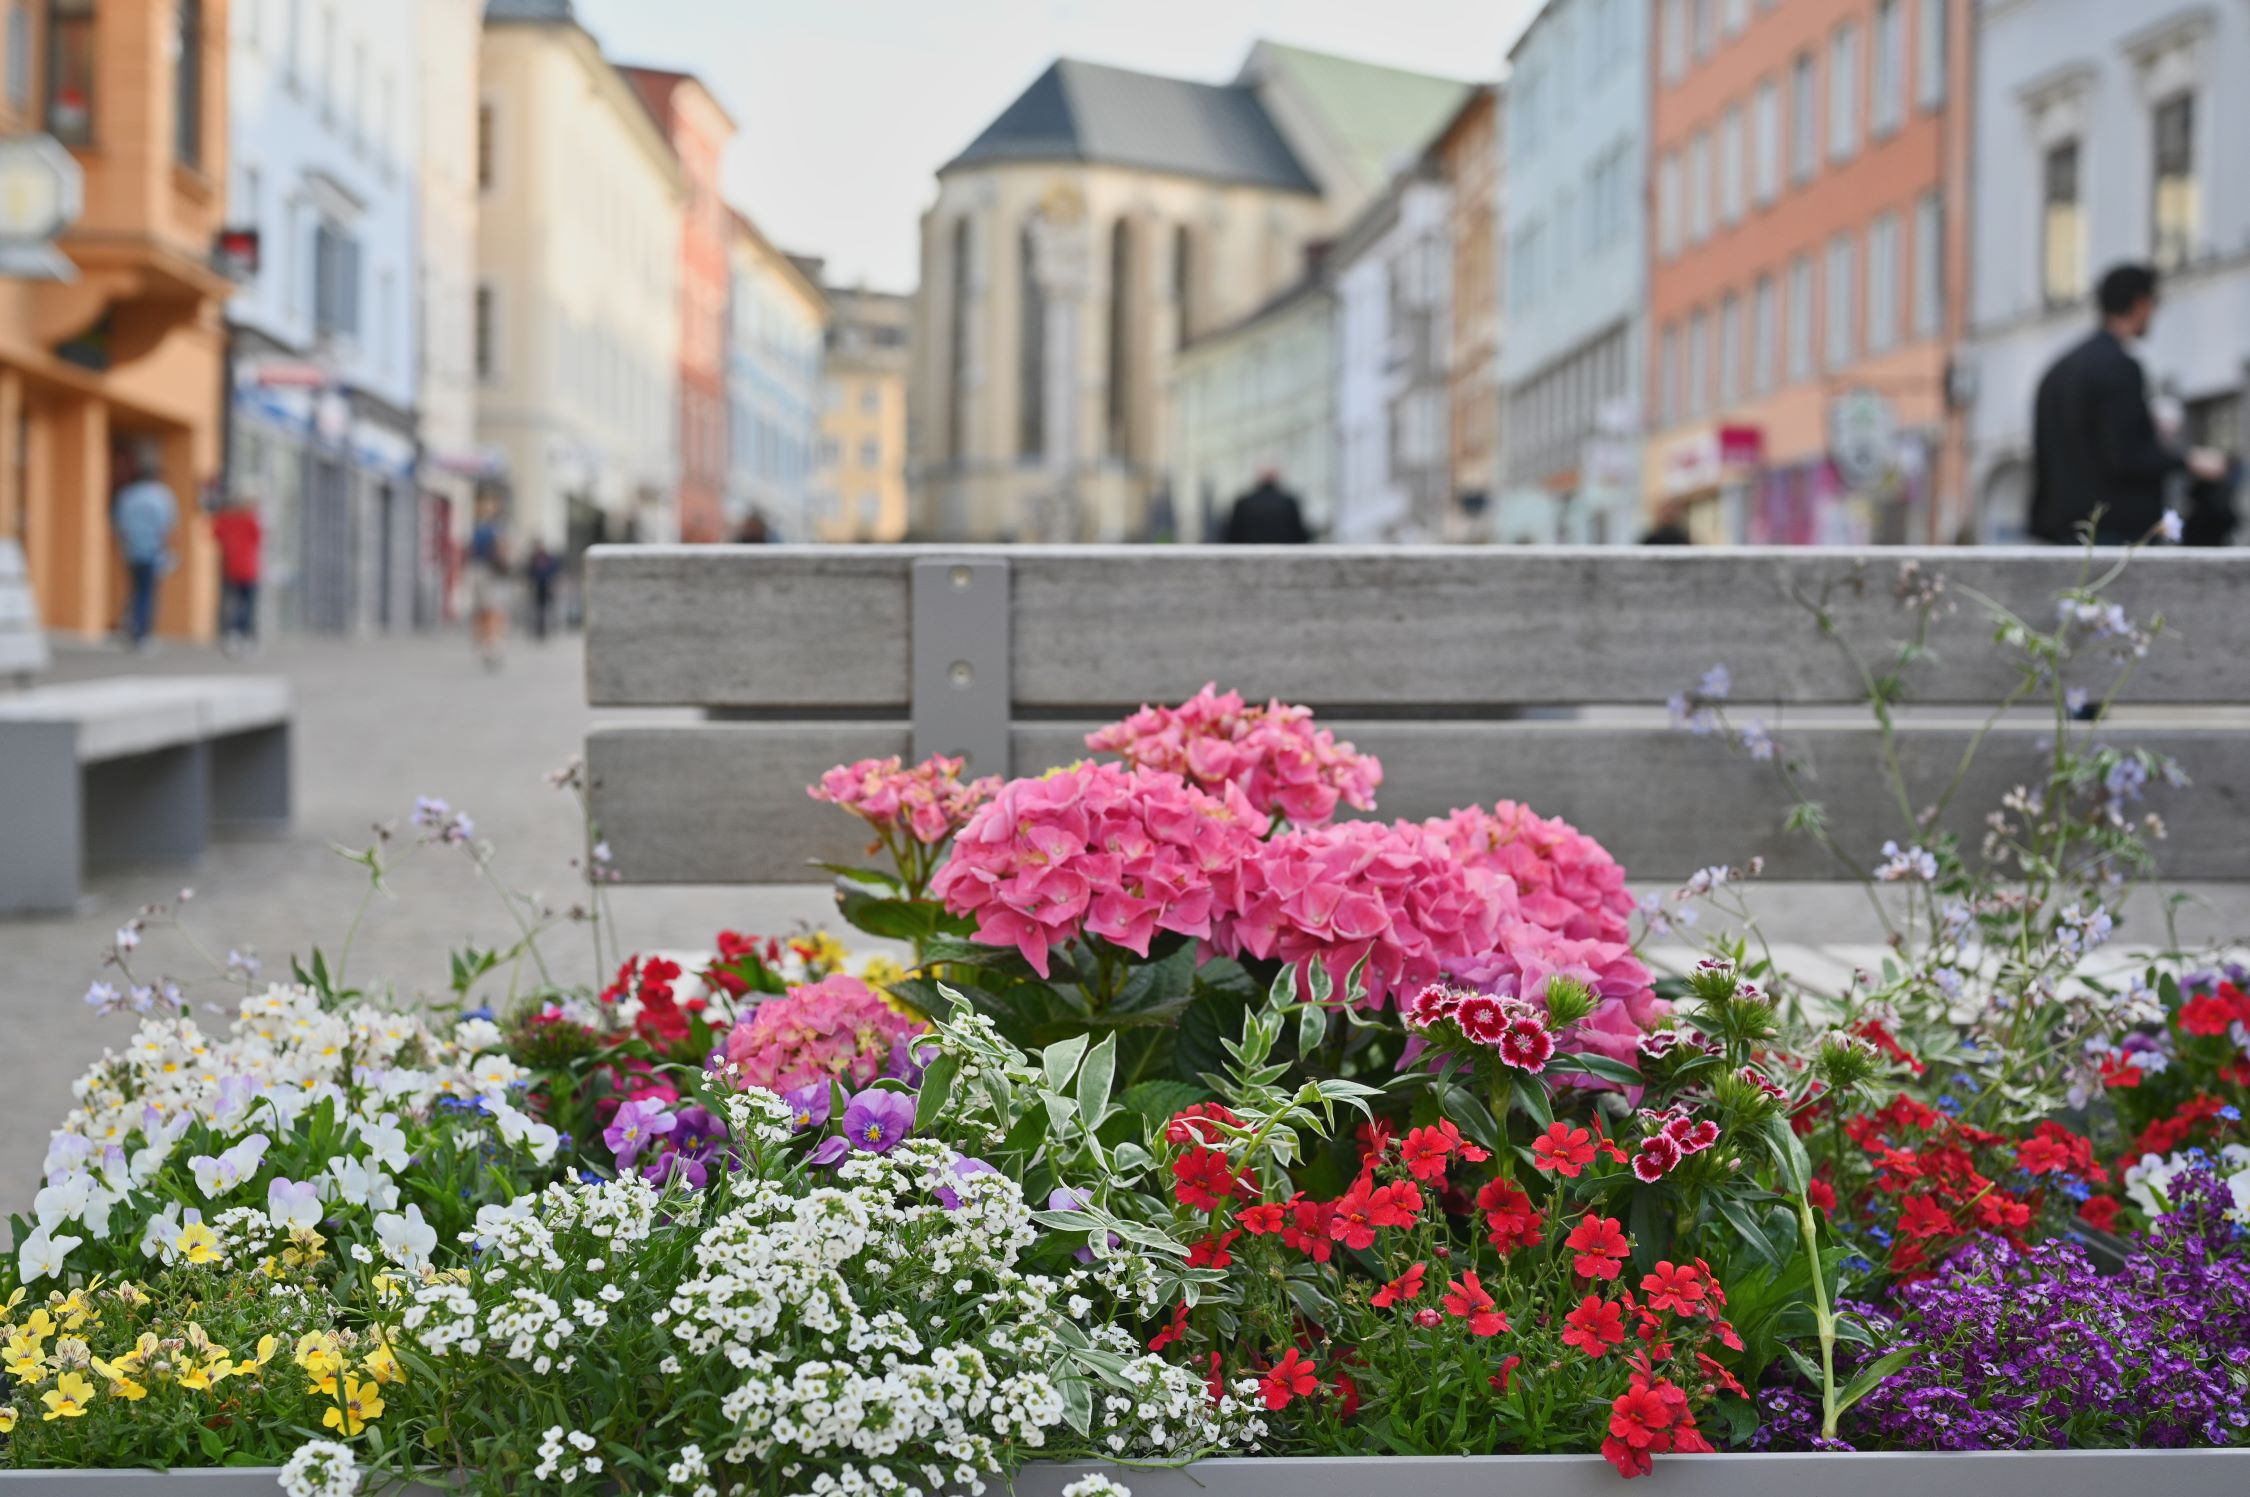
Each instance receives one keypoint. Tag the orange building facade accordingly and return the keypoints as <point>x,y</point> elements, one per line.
<point>124,364</point>
<point>699,132</point>
<point>1807,267</point>
<point>1468,157</point>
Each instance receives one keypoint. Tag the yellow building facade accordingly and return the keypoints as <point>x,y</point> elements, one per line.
<point>860,486</point>
<point>124,364</point>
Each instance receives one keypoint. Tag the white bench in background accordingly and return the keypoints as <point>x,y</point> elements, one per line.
<point>125,769</point>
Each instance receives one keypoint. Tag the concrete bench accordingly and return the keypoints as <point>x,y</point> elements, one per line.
<point>128,769</point>
<point>1475,674</point>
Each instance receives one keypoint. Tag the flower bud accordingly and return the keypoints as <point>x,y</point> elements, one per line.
<point>1568,1001</point>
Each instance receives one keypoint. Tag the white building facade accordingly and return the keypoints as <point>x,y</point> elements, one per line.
<point>775,389</point>
<point>1394,329</point>
<point>326,130</point>
<point>1253,398</point>
<point>1574,246</point>
<point>453,465</point>
<point>2105,133</point>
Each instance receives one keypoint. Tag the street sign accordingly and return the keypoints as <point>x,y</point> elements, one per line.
<point>1862,437</point>
<point>42,192</point>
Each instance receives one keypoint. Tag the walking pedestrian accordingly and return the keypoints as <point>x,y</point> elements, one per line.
<point>2097,460</point>
<point>1671,527</point>
<point>1268,515</point>
<point>241,540</point>
<point>540,570</point>
<point>144,514</point>
<point>488,584</point>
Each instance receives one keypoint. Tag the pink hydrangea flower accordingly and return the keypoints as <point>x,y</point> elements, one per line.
<point>928,802</point>
<point>1564,879</point>
<point>1119,853</point>
<point>837,1027</point>
<point>1526,955</point>
<point>1273,754</point>
<point>1390,892</point>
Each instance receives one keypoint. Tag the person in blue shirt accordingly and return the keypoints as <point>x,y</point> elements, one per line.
<point>144,514</point>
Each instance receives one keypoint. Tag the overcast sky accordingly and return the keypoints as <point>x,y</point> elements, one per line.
<point>848,107</point>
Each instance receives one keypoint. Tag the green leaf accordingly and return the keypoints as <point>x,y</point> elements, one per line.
<point>1312,1028</point>
<point>1323,986</point>
<point>1788,1155</point>
<point>1163,984</point>
<point>1199,1044</point>
<point>1060,1110</point>
<point>880,914</point>
<point>1863,1383</point>
<point>1060,1060</point>
<point>1094,1079</point>
<point>1746,1226</point>
<point>1156,1101</point>
<point>1588,1064</point>
<point>1029,1132</point>
<point>1078,1405</point>
<point>1469,1113</point>
<point>1531,1096</point>
<point>937,1092</point>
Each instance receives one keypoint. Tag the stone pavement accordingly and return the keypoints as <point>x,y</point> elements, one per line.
<point>379,722</point>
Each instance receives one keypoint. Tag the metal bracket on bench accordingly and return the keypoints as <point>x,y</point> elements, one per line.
<point>960,659</point>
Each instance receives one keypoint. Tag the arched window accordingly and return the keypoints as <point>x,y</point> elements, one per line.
<point>1031,350</point>
<point>1120,339</point>
<point>1183,284</point>
<point>957,348</point>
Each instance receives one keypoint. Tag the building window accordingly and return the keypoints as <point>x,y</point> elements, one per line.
<point>187,83</point>
<point>1698,389</point>
<point>70,70</point>
<point>1882,283</point>
<point>1730,167</point>
<point>1183,286</point>
<point>1730,350</point>
<point>335,282</point>
<point>1734,17</point>
<point>1800,318</point>
<point>2178,209</point>
<point>957,348</point>
<point>1674,41</point>
<point>1120,338</point>
<point>1887,104</point>
<point>1932,47</point>
<point>870,454</point>
<point>1804,118</point>
<point>870,399</point>
<point>1668,377</point>
<point>1699,187</point>
<point>1929,265</point>
<point>1668,205</point>
<point>1843,93</point>
<point>487,335</point>
<point>1761,337</point>
<point>1704,22</point>
<point>1031,350</point>
<point>1843,296</point>
<point>1765,144</point>
<point>18,44</point>
<point>2062,227</point>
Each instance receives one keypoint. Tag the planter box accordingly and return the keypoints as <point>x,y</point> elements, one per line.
<point>2044,1473</point>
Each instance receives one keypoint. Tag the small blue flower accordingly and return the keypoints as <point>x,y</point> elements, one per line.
<point>485,1014</point>
<point>2231,1113</point>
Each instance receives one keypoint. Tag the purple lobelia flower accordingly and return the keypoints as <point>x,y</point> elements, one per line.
<point>875,1120</point>
<point>637,1126</point>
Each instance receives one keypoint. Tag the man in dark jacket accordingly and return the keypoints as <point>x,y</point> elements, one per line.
<point>1268,515</point>
<point>2094,445</point>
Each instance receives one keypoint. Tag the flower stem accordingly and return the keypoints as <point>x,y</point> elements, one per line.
<point>1824,1318</point>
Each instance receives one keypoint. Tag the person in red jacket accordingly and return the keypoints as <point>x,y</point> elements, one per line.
<point>241,540</point>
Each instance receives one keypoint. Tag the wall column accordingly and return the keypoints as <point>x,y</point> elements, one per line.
<point>12,458</point>
<point>77,592</point>
<point>187,600</point>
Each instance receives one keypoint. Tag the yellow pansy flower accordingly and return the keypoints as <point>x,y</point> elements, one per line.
<point>22,1359</point>
<point>73,1309</point>
<point>67,1398</point>
<point>267,1346</point>
<point>360,1403</point>
<point>197,1243</point>
<point>208,1374</point>
<point>382,1365</point>
<point>8,1309</point>
<point>121,1384</point>
<point>39,1325</point>
<point>7,1418</point>
<point>318,1355</point>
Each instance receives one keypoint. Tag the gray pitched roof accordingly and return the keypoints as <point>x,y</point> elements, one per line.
<point>1083,111</point>
<point>529,10</point>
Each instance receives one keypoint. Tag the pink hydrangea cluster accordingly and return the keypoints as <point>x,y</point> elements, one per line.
<point>1273,754</point>
<point>1526,955</point>
<point>1565,880</point>
<point>837,1027</point>
<point>929,802</point>
<point>1390,892</point>
<point>1119,853</point>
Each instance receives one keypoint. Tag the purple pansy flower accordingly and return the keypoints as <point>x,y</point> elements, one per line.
<point>808,1105</point>
<point>1071,1198</point>
<point>911,1055</point>
<point>875,1120</point>
<point>636,1126</point>
<point>828,1151</point>
<point>963,1167</point>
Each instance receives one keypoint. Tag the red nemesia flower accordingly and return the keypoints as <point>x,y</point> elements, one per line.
<point>2206,1014</point>
<point>1670,1287</point>
<point>1263,1219</point>
<point>1719,1376</point>
<point>1822,1195</point>
<point>1397,1204</point>
<point>1215,1382</point>
<point>1563,1149</point>
<point>2100,1212</point>
<point>1428,1319</point>
<point>1291,1377</point>
<point>1212,1252</point>
<point>2119,1074</point>
<point>1509,1216</point>
<point>1499,1380</point>
<point>1628,1461</point>
<point>1352,1222</point>
<point>1639,1415</point>
<point>1200,1124</point>
<point>1599,1242</point>
<point>1461,1146</point>
<point>1406,1286</point>
<point>1922,1216</point>
<point>1347,1393</point>
<point>1175,1328</point>
<point>1425,1152</point>
<point>1202,1178</point>
<point>1466,1300</point>
<point>1595,1326</point>
<point>1374,1140</point>
<point>1308,1229</point>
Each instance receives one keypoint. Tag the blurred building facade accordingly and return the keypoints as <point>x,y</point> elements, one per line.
<point>1393,272</point>
<point>699,131</point>
<point>1101,222</point>
<point>859,482</point>
<point>577,310</point>
<point>453,464</point>
<point>1806,266</point>
<point>1575,251</point>
<point>1255,397</point>
<point>779,320</point>
<point>1467,156</point>
<point>122,365</point>
<point>2105,133</point>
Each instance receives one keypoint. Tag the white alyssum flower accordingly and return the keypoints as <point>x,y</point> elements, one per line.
<point>1096,1485</point>
<point>321,1468</point>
